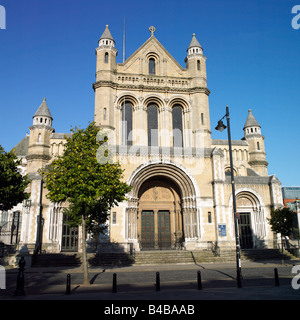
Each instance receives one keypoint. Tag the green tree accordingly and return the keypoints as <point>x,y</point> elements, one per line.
<point>90,186</point>
<point>281,222</point>
<point>12,183</point>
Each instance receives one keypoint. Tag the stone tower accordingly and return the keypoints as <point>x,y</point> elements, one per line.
<point>106,54</point>
<point>257,154</point>
<point>196,68</point>
<point>39,138</point>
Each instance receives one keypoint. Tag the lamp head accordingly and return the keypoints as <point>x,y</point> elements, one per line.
<point>221,126</point>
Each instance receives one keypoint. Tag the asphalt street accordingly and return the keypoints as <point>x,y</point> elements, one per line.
<point>179,282</point>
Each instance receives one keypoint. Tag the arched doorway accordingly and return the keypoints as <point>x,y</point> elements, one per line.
<point>251,220</point>
<point>159,215</point>
<point>162,201</point>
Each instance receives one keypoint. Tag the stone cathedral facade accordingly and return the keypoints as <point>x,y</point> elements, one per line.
<point>156,114</point>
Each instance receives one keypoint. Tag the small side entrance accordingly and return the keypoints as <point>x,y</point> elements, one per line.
<point>69,237</point>
<point>245,230</point>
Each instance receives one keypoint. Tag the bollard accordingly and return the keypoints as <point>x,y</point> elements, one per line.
<point>276,277</point>
<point>20,279</point>
<point>114,287</point>
<point>199,280</point>
<point>68,287</point>
<point>157,282</point>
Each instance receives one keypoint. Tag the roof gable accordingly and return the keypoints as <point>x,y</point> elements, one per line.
<point>152,47</point>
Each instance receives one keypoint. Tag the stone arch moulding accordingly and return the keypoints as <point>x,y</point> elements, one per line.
<point>179,101</point>
<point>257,211</point>
<point>189,193</point>
<point>250,192</point>
<point>152,54</point>
<point>127,97</point>
<point>149,168</point>
<point>155,100</point>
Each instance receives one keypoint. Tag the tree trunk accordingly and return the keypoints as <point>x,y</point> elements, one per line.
<point>84,256</point>
<point>282,257</point>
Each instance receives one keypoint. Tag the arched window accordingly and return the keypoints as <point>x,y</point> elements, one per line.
<point>104,114</point>
<point>151,66</point>
<point>106,57</point>
<point>228,172</point>
<point>152,122</point>
<point>127,123</point>
<point>39,137</point>
<point>177,126</point>
<point>258,146</point>
<point>198,64</point>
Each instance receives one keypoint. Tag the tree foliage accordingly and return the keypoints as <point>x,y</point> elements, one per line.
<point>90,187</point>
<point>281,221</point>
<point>12,183</point>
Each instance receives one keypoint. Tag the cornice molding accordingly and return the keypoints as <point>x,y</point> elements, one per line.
<point>38,157</point>
<point>258,163</point>
<point>163,88</point>
<point>41,126</point>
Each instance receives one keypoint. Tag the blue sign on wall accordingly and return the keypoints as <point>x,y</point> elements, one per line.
<point>222,230</point>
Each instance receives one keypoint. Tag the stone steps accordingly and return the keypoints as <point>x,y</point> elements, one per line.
<point>174,257</point>
<point>163,257</point>
<point>56,260</point>
<point>115,259</point>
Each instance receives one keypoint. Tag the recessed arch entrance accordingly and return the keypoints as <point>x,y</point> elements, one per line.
<point>159,215</point>
<point>162,210</point>
<point>251,219</point>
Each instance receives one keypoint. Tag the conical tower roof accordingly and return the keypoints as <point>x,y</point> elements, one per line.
<point>43,110</point>
<point>251,121</point>
<point>106,34</point>
<point>194,43</point>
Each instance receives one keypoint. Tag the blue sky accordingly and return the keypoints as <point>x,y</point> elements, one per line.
<point>253,61</point>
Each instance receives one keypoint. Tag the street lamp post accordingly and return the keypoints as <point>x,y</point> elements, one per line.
<point>221,127</point>
<point>298,218</point>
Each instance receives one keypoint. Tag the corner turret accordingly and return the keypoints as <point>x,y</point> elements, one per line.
<point>39,138</point>
<point>196,62</point>
<point>257,154</point>
<point>106,53</point>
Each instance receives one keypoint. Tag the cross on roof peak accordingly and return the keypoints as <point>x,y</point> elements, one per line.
<point>152,30</point>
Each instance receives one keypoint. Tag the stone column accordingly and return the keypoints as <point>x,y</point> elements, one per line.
<point>140,135</point>
<point>156,227</point>
<point>165,121</point>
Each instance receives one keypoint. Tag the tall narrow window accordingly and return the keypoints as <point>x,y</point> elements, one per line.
<point>202,118</point>
<point>39,137</point>
<point>151,66</point>
<point>152,122</point>
<point>127,123</point>
<point>198,64</point>
<point>114,218</point>
<point>258,146</point>
<point>209,217</point>
<point>177,126</point>
<point>106,57</point>
<point>104,114</point>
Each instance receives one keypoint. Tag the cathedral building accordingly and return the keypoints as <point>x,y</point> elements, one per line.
<point>156,114</point>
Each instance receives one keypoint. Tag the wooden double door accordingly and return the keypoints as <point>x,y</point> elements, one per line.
<point>155,230</point>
